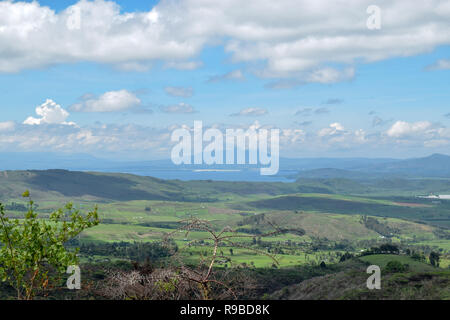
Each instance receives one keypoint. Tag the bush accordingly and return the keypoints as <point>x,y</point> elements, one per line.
<point>396,266</point>
<point>30,248</point>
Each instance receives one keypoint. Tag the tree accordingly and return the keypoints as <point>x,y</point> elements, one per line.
<point>434,258</point>
<point>389,248</point>
<point>396,266</point>
<point>203,280</point>
<point>32,247</point>
<point>345,256</point>
<point>418,257</point>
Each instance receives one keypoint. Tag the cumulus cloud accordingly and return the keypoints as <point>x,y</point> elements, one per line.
<point>112,101</point>
<point>334,129</point>
<point>285,39</point>
<point>115,139</point>
<point>140,141</point>
<point>178,108</point>
<point>50,113</point>
<point>250,112</point>
<point>337,136</point>
<point>403,129</point>
<point>179,92</point>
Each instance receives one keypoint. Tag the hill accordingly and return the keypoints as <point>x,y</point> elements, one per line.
<point>419,282</point>
<point>51,184</point>
<point>436,165</point>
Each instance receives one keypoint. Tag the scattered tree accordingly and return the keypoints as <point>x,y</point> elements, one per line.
<point>434,258</point>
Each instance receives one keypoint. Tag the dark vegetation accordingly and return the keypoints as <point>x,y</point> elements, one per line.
<point>378,227</point>
<point>137,251</point>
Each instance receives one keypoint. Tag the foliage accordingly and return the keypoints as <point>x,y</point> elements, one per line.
<point>381,228</point>
<point>203,281</point>
<point>136,251</point>
<point>418,257</point>
<point>346,256</point>
<point>434,259</point>
<point>396,266</point>
<point>385,248</point>
<point>32,247</point>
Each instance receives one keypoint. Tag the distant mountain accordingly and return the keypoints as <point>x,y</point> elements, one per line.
<point>43,161</point>
<point>436,165</point>
<point>48,185</point>
<point>57,184</point>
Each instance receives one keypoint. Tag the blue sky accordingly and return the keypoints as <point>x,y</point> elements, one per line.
<point>332,86</point>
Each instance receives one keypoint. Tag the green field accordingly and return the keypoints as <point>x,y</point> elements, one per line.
<point>320,219</point>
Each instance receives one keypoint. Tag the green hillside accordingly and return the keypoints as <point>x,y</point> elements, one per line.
<point>419,282</point>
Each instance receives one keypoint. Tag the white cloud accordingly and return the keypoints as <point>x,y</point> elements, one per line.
<point>439,65</point>
<point>292,136</point>
<point>178,108</point>
<point>283,39</point>
<point>134,66</point>
<point>140,141</point>
<point>50,113</point>
<point>250,112</point>
<point>360,136</point>
<point>123,140</point>
<point>330,75</point>
<point>7,126</point>
<point>112,101</point>
<point>334,129</point>
<point>179,92</point>
<point>403,129</point>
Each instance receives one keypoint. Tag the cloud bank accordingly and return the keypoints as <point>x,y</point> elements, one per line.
<point>311,41</point>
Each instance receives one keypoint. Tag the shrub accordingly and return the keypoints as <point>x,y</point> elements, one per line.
<point>396,266</point>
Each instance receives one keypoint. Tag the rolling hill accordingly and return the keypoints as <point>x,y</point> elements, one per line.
<point>419,282</point>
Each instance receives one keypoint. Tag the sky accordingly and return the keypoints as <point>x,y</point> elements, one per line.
<point>114,78</point>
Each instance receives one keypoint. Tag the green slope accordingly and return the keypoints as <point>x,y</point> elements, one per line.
<point>420,282</point>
